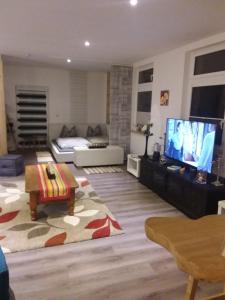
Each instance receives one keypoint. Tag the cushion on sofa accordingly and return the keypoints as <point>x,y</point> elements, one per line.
<point>97,131</point>
<point>98,140</point>
<point>72,142</point>
<point>66,132</point>
<point>97,145</point>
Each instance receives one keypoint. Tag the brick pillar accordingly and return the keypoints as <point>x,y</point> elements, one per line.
<point>120,106</point>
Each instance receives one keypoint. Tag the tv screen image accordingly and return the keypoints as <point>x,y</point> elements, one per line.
<point>190,142</point>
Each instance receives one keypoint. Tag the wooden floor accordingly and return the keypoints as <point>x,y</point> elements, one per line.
<point>122,267</point>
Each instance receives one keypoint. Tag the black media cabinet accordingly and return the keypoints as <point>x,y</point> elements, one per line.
<point>193,199</point>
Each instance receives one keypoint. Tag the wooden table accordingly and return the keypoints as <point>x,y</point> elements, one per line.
<point>32,187</point>
<point>196,245</point>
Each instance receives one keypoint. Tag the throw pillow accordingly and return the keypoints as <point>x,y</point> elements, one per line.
<point>65,132</point>
<point>90,131</point>
<point>73,132</point>
<point>94,132</point>
<point>98,131</point>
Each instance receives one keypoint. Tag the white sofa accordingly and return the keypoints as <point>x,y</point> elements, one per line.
<point>61,157</point>
<point>111,155</point>
<point>54,132</point>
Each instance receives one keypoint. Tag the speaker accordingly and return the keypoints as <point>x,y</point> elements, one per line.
<point>156,156</point>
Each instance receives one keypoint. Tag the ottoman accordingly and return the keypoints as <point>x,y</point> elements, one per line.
<point>11,165</point>
<point>4,278</point>
<point>111,155</point>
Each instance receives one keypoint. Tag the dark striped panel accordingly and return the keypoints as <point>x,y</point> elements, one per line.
<point>32,127</point>
<point>32,142</point>
<point>24,104</point>
<point>36,120</point>
<point>34,135</point>
<point>32,112</point>
<point>34,96</point>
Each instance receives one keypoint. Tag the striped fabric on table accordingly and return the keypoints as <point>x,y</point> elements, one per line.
<point>53,189</point>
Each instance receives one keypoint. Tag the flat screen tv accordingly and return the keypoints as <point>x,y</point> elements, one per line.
<point>190,142</point>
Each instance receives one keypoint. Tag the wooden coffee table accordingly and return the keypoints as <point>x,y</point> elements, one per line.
<point>197,246</point>
<point>32,187</point>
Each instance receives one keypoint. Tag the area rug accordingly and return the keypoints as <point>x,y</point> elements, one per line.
<point>44,156</point>
<point>102,170</point>
<point>92,219</point>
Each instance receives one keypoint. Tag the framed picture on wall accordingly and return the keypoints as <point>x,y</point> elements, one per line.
<point>164,97</point>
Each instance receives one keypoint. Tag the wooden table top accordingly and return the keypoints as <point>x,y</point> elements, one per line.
<point>197,245</point>
<point>31,178</point>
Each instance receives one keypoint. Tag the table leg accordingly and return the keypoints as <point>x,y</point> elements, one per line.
<point>33,205</point>
<point>71,203</point>
<point>191,288</point>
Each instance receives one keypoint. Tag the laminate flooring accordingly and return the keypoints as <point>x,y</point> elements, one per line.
<point>126,267</point>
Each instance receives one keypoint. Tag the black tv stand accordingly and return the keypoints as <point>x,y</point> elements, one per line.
<point>193,199</point>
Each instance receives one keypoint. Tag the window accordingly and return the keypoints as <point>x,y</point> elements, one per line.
<point>210,63</point>
<point>144,94</point>
<point>207,83</point>
<point>206,87</point>
<point>208,101</point>
<point>144,101</point>
<point>145,76</point>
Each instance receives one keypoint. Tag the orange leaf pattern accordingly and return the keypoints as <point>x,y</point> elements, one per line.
<point>8,216</point>
<point>97,223</point>
<point>56,240</point>
<point>102,231</point>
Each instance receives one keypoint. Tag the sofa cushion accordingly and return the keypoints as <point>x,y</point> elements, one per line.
<point>72,142</point>
<point>99,140</point>
<point>66,132</point>
<point>97,131</point>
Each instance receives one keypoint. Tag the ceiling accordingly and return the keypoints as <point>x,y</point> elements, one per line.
<point>49,31</point>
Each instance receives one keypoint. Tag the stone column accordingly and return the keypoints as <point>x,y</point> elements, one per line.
<point>120,106</point>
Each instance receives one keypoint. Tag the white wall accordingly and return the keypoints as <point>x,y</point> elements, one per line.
<point>170,72</point>
<point>96,97</point>
<point>74,96</point>
<point>56,80</point>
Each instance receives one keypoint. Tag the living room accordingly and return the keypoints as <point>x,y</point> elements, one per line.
<point>117,91</point>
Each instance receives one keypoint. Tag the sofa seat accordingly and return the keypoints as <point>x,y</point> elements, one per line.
<point>111,155</point>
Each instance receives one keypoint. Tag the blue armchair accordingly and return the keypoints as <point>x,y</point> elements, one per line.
<point>4,278</point>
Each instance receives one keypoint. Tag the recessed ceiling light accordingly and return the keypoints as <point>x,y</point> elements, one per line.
<point>86,43</point>
<point>133,2</point>
<point>68,60</point>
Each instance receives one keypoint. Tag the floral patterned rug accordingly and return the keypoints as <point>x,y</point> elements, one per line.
<point>92,219</point>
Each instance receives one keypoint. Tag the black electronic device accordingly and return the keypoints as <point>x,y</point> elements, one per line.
<point>190,143</point>
<point>156,156</point>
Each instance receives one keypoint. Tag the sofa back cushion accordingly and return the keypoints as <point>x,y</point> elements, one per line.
<point>81,129</point>
<point>94,131</point>
<point>66,132</point>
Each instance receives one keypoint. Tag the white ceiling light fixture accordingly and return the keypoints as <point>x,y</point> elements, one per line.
<point>87,44</point>
<point>68,60</point>
<point>133,2</point>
